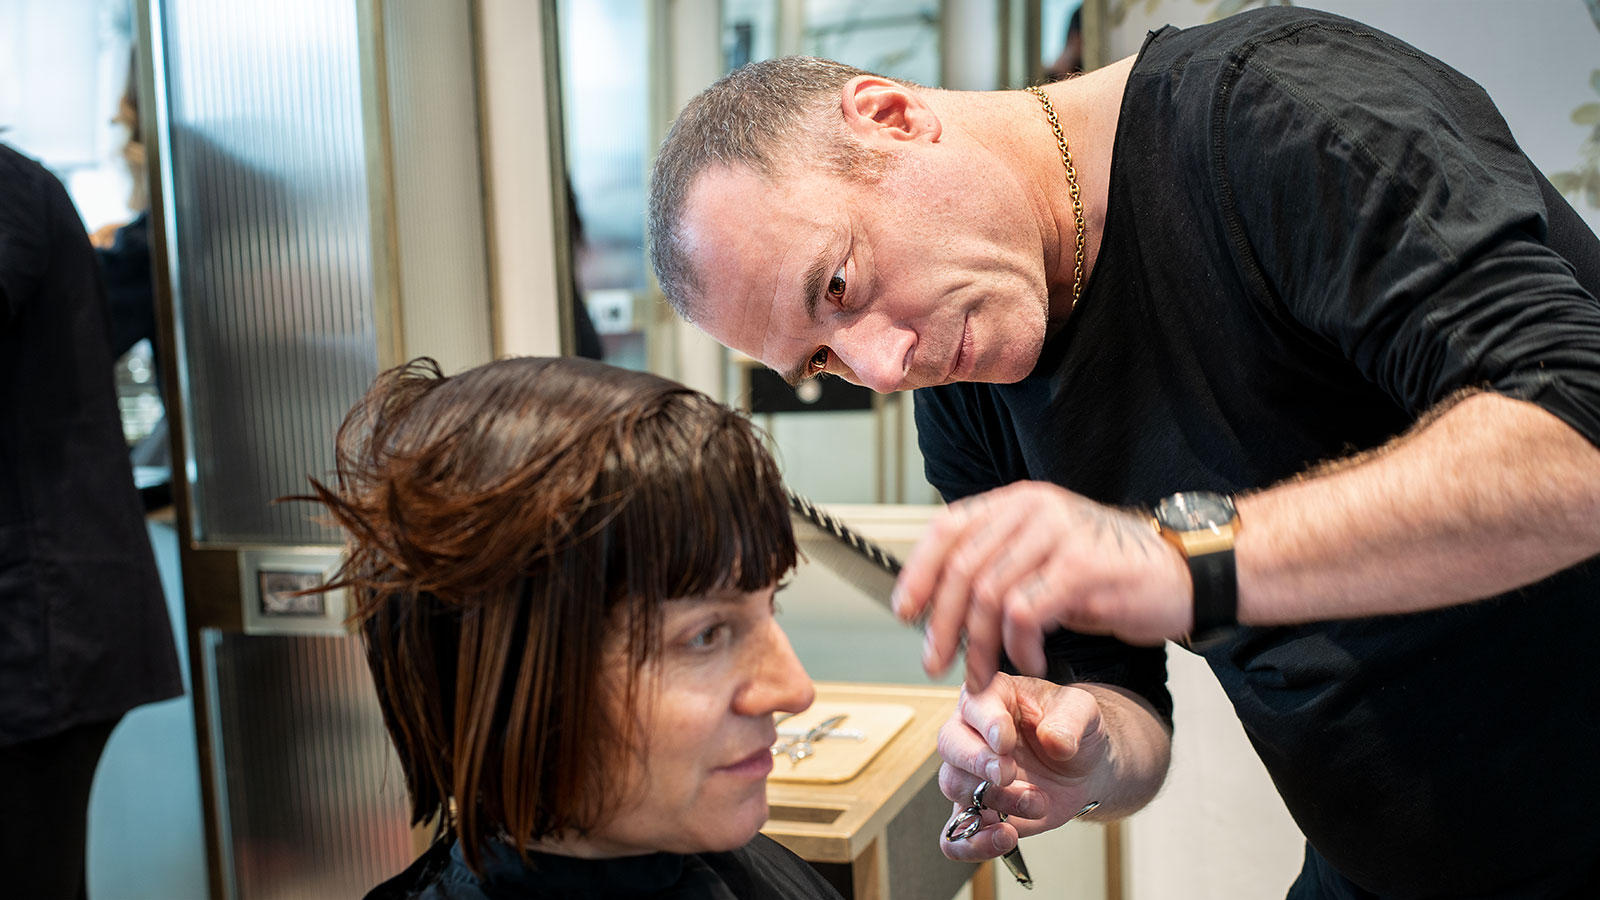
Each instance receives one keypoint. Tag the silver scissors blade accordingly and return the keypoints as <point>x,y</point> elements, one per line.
<point>799,748</point>
<point>1013,860</point>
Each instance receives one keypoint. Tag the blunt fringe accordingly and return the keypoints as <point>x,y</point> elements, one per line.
<point>763,117</point>
<point>501,523</point>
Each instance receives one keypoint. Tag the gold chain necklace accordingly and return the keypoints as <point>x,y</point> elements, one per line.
<point>1072,186</point>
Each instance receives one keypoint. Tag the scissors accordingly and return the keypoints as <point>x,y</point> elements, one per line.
<point>800,748</point>
<point>969,822</point>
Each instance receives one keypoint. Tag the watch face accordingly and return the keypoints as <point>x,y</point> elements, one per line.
<point>1195,511</point>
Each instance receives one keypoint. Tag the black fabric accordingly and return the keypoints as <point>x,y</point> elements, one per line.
<point>760,870</point>
<point>1316,233</point>
<point>1216,593</point>
<point>84,633</point>
<point>130,292</point>
<point>45,828</point>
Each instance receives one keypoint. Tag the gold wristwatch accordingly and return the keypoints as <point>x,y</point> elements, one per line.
<point>1202,525</point>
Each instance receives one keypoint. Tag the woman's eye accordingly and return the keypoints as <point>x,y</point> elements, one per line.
<point>819,361</point>
<point>710,637</point>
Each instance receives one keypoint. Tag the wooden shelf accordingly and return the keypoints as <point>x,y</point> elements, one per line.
<point>875,835</point>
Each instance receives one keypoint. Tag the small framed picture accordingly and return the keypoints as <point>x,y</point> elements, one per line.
<point>280,597</point>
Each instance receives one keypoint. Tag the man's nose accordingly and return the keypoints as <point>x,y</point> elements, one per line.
<point>877,353</point>
<point>780,683</point>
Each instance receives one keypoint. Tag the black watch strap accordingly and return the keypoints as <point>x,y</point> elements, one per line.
<point>1216,596</point>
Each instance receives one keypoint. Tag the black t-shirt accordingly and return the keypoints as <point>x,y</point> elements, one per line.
<point>760,870</point>
<point>84,633</point>
<point>1315,234</point>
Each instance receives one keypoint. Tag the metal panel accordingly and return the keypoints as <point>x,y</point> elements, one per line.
<point>437,182</point>
<point>316,804</point>
<point>271,244</point>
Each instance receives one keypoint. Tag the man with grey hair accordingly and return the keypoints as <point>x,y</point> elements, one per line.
<point>1268,340</point>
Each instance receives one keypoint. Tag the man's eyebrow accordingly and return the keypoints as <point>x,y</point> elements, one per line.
<point>817,276</point>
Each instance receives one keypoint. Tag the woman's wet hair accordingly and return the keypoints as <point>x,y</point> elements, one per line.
<point>502,522</point>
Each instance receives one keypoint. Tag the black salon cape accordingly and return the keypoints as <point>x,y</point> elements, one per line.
<point>1316,233</point>
<point>760,870</point>
<point>84,632</point>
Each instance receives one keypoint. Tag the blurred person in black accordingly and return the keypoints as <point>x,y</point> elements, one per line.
<point>124,253</point>
<point>1070,62</point>
<point>124,250</point>
<point>84,635</point>
<point>586,339</point>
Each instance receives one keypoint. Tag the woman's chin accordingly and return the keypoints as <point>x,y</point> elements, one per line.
<point>739,826</point>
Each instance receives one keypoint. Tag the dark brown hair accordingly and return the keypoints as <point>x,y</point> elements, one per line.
<point>501,523</point>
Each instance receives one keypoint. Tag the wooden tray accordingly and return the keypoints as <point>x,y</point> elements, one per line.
<point>841,759</point>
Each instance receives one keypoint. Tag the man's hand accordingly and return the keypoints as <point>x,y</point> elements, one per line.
<point>1009,565</point>
<point>1043,748</point>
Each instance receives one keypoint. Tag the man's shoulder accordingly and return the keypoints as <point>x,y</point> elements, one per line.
<point>1238,36</point>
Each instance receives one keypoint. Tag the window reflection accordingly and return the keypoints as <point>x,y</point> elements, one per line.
<point>897,38</point>
<point>604,60</point>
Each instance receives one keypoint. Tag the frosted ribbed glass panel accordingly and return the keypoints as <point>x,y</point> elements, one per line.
<point>272,251</point>
<point>317,804</point>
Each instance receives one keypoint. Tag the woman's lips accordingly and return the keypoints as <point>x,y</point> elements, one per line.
<point>756,765</point>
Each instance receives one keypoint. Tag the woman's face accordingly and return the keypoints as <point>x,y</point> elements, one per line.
<point>705,716</point>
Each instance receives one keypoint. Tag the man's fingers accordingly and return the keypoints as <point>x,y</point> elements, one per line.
<point>1019,798</point>
<point>986,844</point>
<point>919,575</point>
<point>970,760</point>
<point>996,838</point>
<point>1064,718</point>
<point>980,538</point>
<point>983,642</point>
<point>955,783</point>
<point>991,713</point>
<point>1023,637</point>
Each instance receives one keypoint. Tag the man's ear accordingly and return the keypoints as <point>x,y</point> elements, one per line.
<point>877,109</point>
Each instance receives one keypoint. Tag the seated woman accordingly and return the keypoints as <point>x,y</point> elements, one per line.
<point>564,576</point>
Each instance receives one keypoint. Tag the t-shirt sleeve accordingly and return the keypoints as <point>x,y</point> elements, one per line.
<point>1379,198</point>
<point>954,458</point>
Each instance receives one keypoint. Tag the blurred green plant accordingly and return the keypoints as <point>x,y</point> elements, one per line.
<point>1119,9</point>
<point>1226,8</point>
<point>1584,181</point>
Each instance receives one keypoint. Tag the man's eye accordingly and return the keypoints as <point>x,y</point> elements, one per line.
<point>819,361</point>
<point>836,285</point>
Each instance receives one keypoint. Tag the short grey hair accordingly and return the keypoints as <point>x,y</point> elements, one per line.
<point>763,117</point>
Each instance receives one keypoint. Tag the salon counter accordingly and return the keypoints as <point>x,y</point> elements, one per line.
<point>875,835</point>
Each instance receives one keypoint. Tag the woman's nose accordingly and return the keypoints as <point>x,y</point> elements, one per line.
<point>781,683</point>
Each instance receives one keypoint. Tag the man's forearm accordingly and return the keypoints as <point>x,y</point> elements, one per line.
<point>1138,756</point>
<point>1492,495</point>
